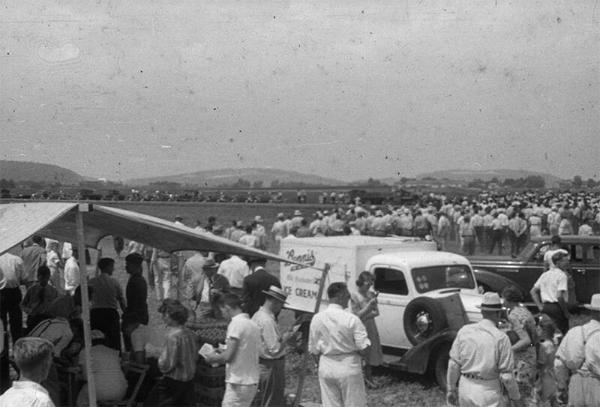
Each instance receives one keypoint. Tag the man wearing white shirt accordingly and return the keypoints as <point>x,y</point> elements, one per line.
<point>550,291</point>
<point>339,338</point>
<point>72,273</point>
<point>10,293</point>
<point>192,277</point>
<point>279,229</point>
<point>235,270</point>
<point>273,346</point>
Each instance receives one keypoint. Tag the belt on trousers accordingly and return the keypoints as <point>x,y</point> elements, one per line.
<point>477,377</point>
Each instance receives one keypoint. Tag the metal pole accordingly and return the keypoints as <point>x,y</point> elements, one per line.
<point>85,305</point>
<point>307,356</point>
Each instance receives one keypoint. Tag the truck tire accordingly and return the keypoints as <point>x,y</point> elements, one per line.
<point>439,365</point>
<point>423,318</point>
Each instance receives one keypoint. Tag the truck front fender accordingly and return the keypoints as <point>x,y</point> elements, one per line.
<point>494,282</point>
<point>416,360</point>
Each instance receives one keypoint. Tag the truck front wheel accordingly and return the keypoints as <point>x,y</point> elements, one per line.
<point>423,318</point>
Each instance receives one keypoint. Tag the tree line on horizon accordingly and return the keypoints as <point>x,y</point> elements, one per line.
<point>530,182</point>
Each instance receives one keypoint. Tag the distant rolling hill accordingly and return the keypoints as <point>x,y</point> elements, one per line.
<point>20,171</point>
<point>487,175</point>
<point>484,175</point>
<point>212,178</point>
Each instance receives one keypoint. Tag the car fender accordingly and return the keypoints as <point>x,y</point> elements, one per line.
<point>494,281</point>
<point>416,359</point>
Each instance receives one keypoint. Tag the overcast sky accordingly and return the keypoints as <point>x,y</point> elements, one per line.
<point>341,88</point>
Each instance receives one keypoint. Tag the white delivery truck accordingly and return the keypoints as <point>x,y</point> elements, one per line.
<point>425,295</point>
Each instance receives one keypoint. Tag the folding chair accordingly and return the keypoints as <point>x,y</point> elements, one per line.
<point>129,402</point>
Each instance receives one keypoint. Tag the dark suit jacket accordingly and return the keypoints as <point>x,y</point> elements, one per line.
<point>254,284</point>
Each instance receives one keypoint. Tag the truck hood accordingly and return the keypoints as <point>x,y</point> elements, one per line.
<point>470,299</point>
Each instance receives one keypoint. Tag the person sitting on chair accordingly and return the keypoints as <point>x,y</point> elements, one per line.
<point>106,367</point>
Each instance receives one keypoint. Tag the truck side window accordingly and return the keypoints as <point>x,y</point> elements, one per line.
<point>577,252</point>
<point>390,281</point>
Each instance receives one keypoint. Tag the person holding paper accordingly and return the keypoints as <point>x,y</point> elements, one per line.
<point>240,354</point>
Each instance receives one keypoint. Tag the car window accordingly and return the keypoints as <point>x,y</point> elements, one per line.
<point>577,252</point>
<point>592,255</point>
<point>390,281</point>
<point>439,277</point>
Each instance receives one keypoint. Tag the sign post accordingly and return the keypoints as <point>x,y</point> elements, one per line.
<point>307,356</point>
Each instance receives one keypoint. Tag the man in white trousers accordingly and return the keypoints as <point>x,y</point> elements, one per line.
<point>340,340</point>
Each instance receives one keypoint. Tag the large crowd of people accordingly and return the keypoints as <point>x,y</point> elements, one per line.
<point>40,309</point>
<point>501,224</point>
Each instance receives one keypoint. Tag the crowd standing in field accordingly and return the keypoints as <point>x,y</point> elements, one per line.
<point>343,337</point>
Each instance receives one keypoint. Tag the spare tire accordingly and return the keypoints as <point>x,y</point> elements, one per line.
<point>423,318</point>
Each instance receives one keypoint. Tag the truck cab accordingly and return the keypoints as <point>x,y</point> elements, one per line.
<point>402,278</point>
<point>424,297</point>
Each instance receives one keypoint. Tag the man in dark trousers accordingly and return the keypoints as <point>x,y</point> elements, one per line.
<point>136,294</point>
<point>258,281</point>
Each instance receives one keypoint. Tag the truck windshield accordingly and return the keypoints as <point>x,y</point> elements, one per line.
<point>440,277</point>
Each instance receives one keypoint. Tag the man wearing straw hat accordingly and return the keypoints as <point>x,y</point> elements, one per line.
<point>578,358</point>
<point>481,362</point>
<point>273,345</point>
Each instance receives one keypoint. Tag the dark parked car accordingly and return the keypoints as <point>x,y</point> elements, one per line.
<point>495,273</point>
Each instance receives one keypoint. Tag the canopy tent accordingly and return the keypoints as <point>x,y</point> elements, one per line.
<point>87,224</point>
<point>57,220</point>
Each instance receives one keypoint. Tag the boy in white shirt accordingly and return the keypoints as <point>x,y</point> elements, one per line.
<point>33,357</point>
<point>240,355</point>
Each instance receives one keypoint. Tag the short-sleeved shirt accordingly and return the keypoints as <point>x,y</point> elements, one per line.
<point>269,332</point>
<point>550,283</point>
<point>243,368</point>
<point>107,292</point>
<point>235,270</point>
<point>482,350</point>
<point>576,355</point>
<point>336,331</point>
<point>26,393</point>
<point>12,268</point>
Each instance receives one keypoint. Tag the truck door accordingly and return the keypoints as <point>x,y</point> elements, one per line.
<point>392,301</point>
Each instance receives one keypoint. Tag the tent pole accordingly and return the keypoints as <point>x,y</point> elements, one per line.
<point>307,355</point>
<point>85,306</point>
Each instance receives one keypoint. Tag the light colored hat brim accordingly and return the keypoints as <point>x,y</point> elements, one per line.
<point>591,307</point>
<point>275,297</point>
